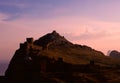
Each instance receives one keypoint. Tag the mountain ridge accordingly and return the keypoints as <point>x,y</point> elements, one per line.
<point>55,45</point>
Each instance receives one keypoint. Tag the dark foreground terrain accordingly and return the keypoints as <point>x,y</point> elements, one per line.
<point>53,59</point>
<point>67,74</point>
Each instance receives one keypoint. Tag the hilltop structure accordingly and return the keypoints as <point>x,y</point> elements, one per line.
<point>53,57</point>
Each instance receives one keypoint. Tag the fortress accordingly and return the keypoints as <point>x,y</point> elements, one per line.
<point>28,44</point>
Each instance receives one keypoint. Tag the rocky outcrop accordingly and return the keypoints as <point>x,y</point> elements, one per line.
<point>52,39</point>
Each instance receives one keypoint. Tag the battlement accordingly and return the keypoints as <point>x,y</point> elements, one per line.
<point>23,45</point>
<point>30,40</point>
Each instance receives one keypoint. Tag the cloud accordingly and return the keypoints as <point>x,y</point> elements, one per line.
<point>99,10</point>
<point>88,35</point>
<point>13,4</point>
<point>33,9</point>
<point>91,35</point>
<point>3,16</point>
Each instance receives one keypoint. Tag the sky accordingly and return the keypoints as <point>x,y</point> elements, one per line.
<point>95,23</point>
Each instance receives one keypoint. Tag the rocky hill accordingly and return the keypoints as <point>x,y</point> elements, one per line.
<point>54,59</point>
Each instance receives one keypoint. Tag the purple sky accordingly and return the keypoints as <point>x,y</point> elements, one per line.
<point>95,23</point>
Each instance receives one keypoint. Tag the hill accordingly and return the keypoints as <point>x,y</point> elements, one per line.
<point>114,54</point>
<point>54,59</point>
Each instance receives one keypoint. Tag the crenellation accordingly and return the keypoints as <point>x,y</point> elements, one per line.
<point>23,45</point>
<point>28,44</point>
<point>30,40</point>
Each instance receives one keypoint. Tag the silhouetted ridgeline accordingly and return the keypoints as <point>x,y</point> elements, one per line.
<point>53,59</point>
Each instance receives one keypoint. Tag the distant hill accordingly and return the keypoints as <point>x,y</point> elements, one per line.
<point>114,54</point>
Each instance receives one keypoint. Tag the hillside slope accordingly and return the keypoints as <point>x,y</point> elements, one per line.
<point>52,54</point>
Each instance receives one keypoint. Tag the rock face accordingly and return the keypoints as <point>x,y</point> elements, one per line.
<point>114,54</point>
<point>50,53</point>
<point>51,39</point>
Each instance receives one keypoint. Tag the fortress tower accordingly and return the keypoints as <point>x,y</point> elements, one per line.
<point>30,40</point>
<point>28,44</point>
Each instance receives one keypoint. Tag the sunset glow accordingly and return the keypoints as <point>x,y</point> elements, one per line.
<point>95,23</point>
